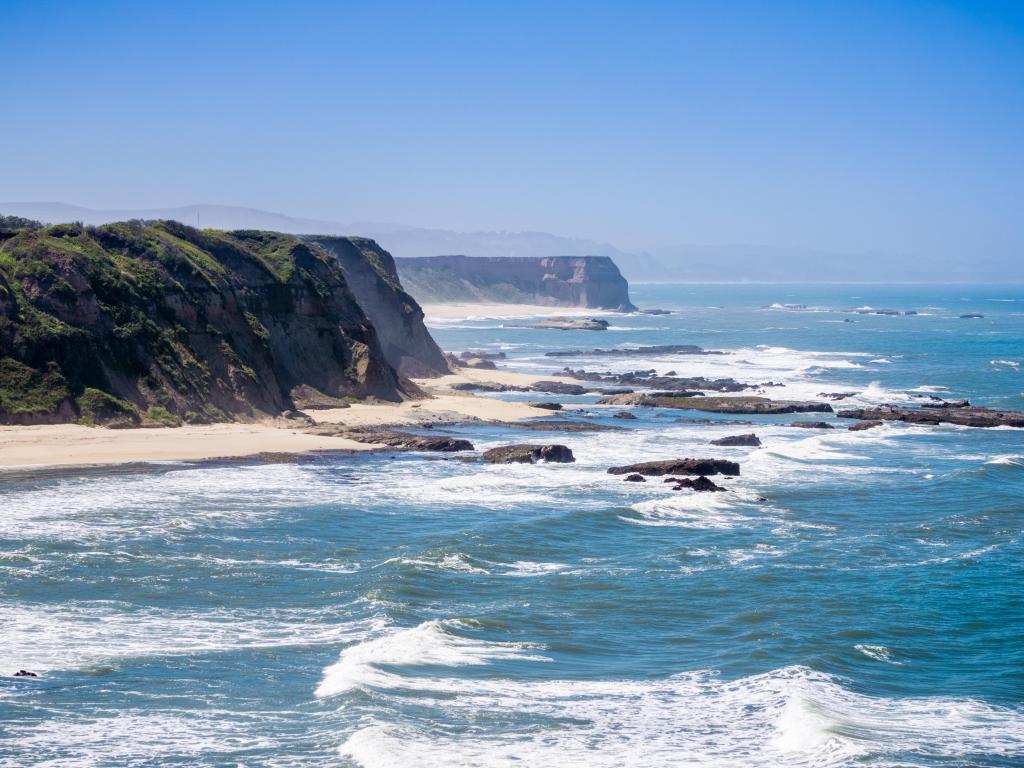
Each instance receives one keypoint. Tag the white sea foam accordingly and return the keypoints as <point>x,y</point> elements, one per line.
<point>77,636</point>
<point>1014,364</point>
<point>432,643</point>
<point>876,652</point>
<point>170,504</point>
<point>1009,460</point>
<point>524,568</point>
<point>788,717</point>
<point>119,737</point>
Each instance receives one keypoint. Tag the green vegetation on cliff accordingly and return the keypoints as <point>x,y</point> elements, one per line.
<point>157,323</point>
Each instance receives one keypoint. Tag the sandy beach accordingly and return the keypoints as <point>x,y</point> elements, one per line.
<point>65,445</point>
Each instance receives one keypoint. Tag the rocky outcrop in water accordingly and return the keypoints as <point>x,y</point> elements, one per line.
<point>700,484</point>
<point>558,425</point>
<point>812,424</point>
<point>860,426</point>
<point>558,388</point>
<point>679,467</point>
<point>649,379</point>
<point>659,349</point>
<point>394,439</point>
<point>371,275</point>
<point>547,405</point>
<point>154,324</point>
<point>528,454</point>
<point>748,440</point>
<point>751,405</point>
<point>482,354</point>
<point>963,416</point>
<point>565,324</point>
<point>559,281</point>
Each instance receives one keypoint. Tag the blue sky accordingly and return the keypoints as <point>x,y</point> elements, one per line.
<point>882,126</point>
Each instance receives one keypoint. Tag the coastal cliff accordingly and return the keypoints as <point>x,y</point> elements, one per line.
<point>559,281</point>
<point>372,277</point>
<point>158,323</point>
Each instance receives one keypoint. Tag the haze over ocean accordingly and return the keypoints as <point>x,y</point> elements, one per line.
<point>878,133</point>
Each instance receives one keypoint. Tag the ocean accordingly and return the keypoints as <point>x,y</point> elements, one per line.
<point>414,610</point>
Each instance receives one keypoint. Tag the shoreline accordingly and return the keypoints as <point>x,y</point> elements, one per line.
<point>42,447</point>
<point>470,310</point>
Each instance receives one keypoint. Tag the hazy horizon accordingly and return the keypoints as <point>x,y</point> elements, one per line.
<point>886,135</point>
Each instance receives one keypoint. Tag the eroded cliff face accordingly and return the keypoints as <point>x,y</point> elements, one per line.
<point>371,275</point>
<point>560,281</point>
<point>160,323</point>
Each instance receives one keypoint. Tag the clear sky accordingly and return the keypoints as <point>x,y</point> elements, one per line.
<point>886,126</point>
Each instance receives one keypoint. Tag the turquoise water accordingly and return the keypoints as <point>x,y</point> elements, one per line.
<point>401,610</point>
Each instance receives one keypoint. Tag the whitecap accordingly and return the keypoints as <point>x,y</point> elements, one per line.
<point>876,652</point>
<point>791,716</point>
<point>432,643</point>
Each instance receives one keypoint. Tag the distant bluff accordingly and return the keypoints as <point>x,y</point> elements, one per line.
<point>158,323</point>
<point>559,281</point>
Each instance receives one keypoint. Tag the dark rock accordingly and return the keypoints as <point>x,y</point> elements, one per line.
<point>747,404</point>
<point>635,478</point>
<point>528,454</point>
<point>713,422</point>
<point>860,426</point>
<point>557,425</point>
<point>25,673</point>
<point>680,467</point>
<point>812,424</point>
<point>700,484</point>
<point>482,354</point>
<point>547,406</point>
<point>566,324</point>
<point>651,380</point>
<point>485,386</point>
<point>293,415</point>
<point>837,395</point>
<point>624,415</point>
<point>402,441</point>
<point>478,363</point>
<point>947,404</point>
<point>737,440</point>
<point>558,388</point>
<point>965,417</point>
<point>655,312</point>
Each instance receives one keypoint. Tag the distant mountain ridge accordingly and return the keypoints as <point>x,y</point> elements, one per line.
<point>669,263</point>
<point>400,240</point>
